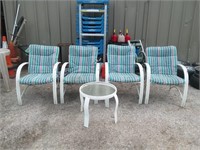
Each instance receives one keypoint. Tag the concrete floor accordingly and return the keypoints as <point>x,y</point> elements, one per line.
<point>39,124</point>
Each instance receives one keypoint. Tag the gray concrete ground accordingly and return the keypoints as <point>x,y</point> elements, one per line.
<point>39,124</point>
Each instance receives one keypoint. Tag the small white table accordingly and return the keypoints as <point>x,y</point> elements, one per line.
<point>3,67</point>
<point>96,91</point>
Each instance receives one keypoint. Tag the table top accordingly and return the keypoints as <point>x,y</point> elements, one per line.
<point>95,90</point>
<point>4,51</point>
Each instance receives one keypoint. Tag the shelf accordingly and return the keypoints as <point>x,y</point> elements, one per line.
<point>90,34</point>
<point>93,10</point>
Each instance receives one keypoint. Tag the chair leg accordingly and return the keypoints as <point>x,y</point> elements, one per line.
<point>55,101</point>
<point>19,98</point>
<point>62,93</point>
<point>141,91</point>
<point>184,97</point>
<point>147,92</point>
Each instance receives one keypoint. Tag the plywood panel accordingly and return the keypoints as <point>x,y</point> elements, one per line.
<point>43,22</point>
<point>9,14</point>
<point>186,27</point>
<point>164,23</point>
<point>130,17</point>
<point>31,27</point>
<point>65,21</point>
<point>54,22</point>
<point>193,53</point>
<point>175,25</point>
<point>152,24</point>
<point>119,13</point>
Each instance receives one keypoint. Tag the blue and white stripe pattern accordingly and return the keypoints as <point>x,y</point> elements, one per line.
<point>82,64</point>
<point>163,60</point>
<point>166,79</point>
<point>163,63</point>
<point>121,63</point>
<point>41,61</point>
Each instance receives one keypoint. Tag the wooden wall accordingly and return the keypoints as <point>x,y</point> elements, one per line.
<point>157,23</point>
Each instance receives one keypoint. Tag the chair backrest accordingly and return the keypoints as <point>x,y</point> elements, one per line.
<point>163,60</point>
<point>82,59</point>
<point>42,58</point>
<point>121,59</point>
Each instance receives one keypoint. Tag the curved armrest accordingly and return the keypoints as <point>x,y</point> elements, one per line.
<point>185,73</point>
<point>55,67</point>
<point>106,72</point>
<point>19,69</point>
<point>97,71</point>
<point>148,71</point>
<point>141,70</point>
<point>63,71</point>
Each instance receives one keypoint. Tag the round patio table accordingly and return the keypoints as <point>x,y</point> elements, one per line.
<point>96,91</point>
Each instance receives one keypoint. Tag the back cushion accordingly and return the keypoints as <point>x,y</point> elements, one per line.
<point>121,59</point>
<point>82,59</point>
<point>42,58</point>
<point>163,60</point>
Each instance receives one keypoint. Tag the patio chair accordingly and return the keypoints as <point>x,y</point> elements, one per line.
<point>82,67</point>
<point>162,69</point>
<point>42,69</point>
<point>121,67</point>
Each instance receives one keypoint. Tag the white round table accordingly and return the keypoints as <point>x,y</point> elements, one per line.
<point>3,67</point>
<point>96,91</point>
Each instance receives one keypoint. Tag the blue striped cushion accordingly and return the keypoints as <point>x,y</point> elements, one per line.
<point>79,78</point>
<point>42,58</point>
<point>163,60</point>
<point>35,79</point>
<point>124,77</point>
<point>82,59</point>
<point>166,79</point>
<point>121,59</point>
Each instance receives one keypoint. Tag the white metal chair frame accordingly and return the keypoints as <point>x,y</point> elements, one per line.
<point>140,92</point>
<point>62,89</point>
<point>18,75</point>
<point>185,88</point>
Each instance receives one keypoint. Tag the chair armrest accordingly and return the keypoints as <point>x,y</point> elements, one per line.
<point>148,71</point>
<point>62,72</point>
<point>185,73</point>
<point>97,71</point>
<point>106,72</point>
<point>19,69</point>
<point>55,71</point>
<point>141,70</point>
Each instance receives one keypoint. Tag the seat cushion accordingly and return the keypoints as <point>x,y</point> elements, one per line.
<point>79,78</point>
<point>166,79</point>
<point>35,79</point>
<point>124,77</point>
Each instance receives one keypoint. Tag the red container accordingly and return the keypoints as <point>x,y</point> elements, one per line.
<point>127,37</point>
<point>114,37</point>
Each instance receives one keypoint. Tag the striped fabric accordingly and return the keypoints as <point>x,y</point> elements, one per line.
<point>82,59</point>
<point>124,77</point>
<point>79,78</point>
<point>42,59</point>
<point>36,79</point>
<point>166,79</point>
<point>163,60</point>
<point>121,59</point>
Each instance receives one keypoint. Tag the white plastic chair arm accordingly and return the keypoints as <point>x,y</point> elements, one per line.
<point>141,70</point>
<point>106,72</point>
<point>185,73</point>
<point>19,69</point>
<point>97,71</point>
<point>63,71</point>
<point>55,71</point>
<point>148,71</point>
